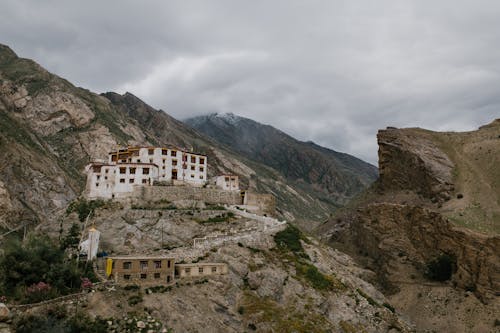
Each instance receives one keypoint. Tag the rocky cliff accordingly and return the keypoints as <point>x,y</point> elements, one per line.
<point>430,224</point>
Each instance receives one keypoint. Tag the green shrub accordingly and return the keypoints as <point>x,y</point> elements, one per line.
<point>131,287</point>
<point>135,299</point>
<point>84,208</point>
<point>370,300</point>
<point>390,307</point>
<point>290,239</point>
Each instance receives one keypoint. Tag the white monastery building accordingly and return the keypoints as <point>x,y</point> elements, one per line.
<point>227,182</point>
<point>142,166</point>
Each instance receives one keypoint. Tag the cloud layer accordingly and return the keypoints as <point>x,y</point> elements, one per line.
<point>328,71</point>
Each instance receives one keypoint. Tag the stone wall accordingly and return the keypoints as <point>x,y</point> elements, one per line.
<point>265,202</point>
<point>175,193</point>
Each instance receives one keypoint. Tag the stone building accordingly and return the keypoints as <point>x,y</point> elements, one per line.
<point>227,182</point>
<point>140,269</point>
<point>200,269</point>
<point>134,167</point>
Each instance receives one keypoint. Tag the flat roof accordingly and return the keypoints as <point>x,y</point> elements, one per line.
<point>201,264</point>
<point>131,148</point>
<point>137,257</point>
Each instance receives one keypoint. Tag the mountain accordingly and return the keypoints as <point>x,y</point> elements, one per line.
<point>337,175</point>
<point>51,129</point>
<point>278,279</point>
<point>430,226</point>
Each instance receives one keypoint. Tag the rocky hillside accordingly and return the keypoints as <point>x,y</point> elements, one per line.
<point>50,129</point>
<point>339,176</point>
<point>429,226</point>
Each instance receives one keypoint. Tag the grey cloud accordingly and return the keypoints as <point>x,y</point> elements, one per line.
<point>329,71</point>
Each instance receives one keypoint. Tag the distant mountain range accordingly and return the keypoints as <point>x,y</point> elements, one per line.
<point>337,175</point>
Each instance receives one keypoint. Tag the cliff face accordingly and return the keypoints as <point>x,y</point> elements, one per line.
<point>410,160</point>
<point>437,198</point>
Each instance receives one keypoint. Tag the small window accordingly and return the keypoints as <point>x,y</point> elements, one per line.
<point>105,177</point>
<point>202,160</point>
<point>193,167</point>
<point>145,171</point>
<point>174,162</point>
<point>131,180</point>
<point>98,177</point>
<point>192,176</point>
<point>201,176</point>
<point>96,184</point>
<point>226,179</point>
<point>201,169</point>
<point>132,171</point>
<point>106,171</point>
<point>144,181</point>
<point>193,159</point>
<point>144,264</point>
<point>127,265</point>
<point>150,160</point>
<point>174,153</point>
<point>164,152</point>
<point>123,170</point>
<point>168,263</point>
<point>122,180</point>
<point>113,158</point>
<point>214,269</point>
<point>200,270</point>
<point>126,276</point>
<point>157,275</point>
<point>157,263</point>
<point>151,151</point>
<point>144,276</point>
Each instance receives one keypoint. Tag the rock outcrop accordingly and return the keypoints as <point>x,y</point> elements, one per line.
<point>410,160</point>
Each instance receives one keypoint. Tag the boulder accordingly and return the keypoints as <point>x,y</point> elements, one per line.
<point>4,312</point>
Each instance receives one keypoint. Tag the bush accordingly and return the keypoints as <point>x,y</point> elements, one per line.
<point>58,320</point>
<point>83,207</point>
<point>290,239</point>
<point>135,299</point>
<point>39,262</point>
<point>441,268</point>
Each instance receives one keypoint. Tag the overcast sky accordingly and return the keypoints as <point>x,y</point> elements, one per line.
<point>333,72</point>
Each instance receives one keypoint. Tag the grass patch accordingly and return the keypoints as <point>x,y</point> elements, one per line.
<point>370,300</point>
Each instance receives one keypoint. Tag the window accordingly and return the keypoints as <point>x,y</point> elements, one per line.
<point>164,152</point>
<point>157,275</point>
<point>214,269</point>
<point>98,177</point>
<point>150,160</point>
<point>192,176</point>
<point>193,159</point>
<point>105,177</point>
<point>132,171</point>
<point>127,265</point>
<point>193,168</point>
<point>126,276</point>
<point>168,263</point>
<point>200,270</point>
<point>174,162</point>
<point>123,170</point>
<point>144,276</point>
<point>174,153</point>
<point>145,171</point>
<point>151,151</point>
<point>144,181</point>
<point>106,171</point>
<point>131,180</point>
<point>201,169</point>
<point>122,180</point>
<point>96,184</point>
<point>157,263</point>
<point>201,176</point>
<point>113,158</point>
<point>144,264</point>
<point>226,179</point>
<point>202,160</point>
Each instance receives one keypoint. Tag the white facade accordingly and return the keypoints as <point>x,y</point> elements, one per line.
<point>141,166</point>
<point>107,181</point>
<point>227,182</point>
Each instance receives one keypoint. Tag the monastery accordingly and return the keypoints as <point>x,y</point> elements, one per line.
<point>143,166</point>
